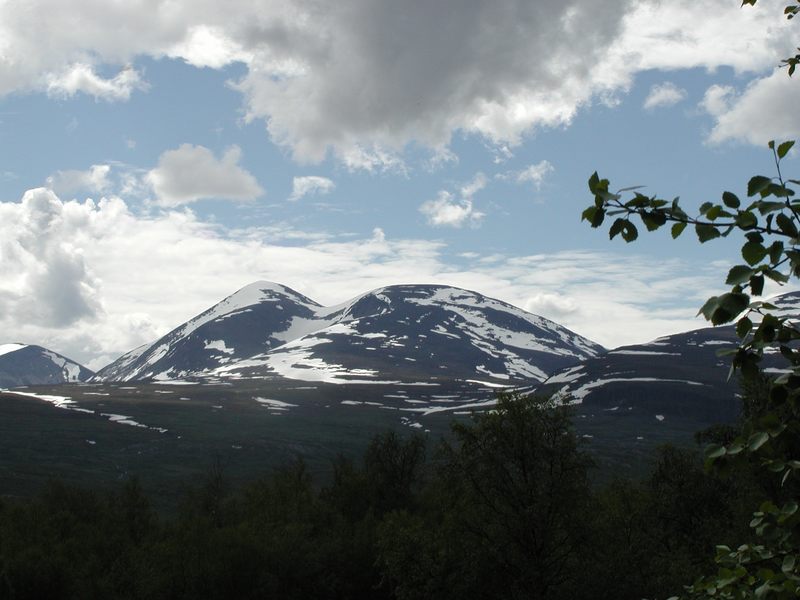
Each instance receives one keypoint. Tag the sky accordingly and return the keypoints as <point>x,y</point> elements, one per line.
<point>157,155</point>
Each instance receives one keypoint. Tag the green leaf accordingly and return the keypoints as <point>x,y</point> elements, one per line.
<point>714,212</point>
<point>630,233</point>
<point>653,219</point>
<point>594,182</point>
<point>709,307</point>
<point>788,563</point>
<point>758,439</point>
<point>744,326</point>
<point>775,252</point>
<point>757,184</point>
<point>739,274</point>
<point>730,305</point>
<point>594,215</point>
<point>753,253</point>
<point>784,148</point>
<point>677,229</point>
<point>616,228</point>
<point>756,285</point>
<point>730,200</point>
<point>715,451</point>
<point>765,206</point>
<point>746,220</point>
<point>777,276</point>
<point>786,225</point>
<point>706,232</point>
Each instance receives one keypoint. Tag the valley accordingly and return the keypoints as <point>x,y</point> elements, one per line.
<point>268,375</point>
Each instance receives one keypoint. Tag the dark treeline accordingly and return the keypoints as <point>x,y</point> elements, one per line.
<point>505,510</point>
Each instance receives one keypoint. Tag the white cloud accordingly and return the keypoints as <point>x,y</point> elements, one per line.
<point>765,110</point>
<point>663,95</point>
<point>363,79</point>
<point>312,184</point>
<point>446,210</point>
<point>536,173</point>
<point>208,46</point>
<point>191,173</point>
<point>93,279</point>
<point>95,180</point>
<point>82,78</point>
<point>717,99</point>
<point>473,187</point>
<point>44,278</point>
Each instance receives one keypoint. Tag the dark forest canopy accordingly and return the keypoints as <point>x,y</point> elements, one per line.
<point>503,511</point>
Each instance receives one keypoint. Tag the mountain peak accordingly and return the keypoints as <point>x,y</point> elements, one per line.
<point>262,290</point>
<point>266,329</point>
<point>26,364</point>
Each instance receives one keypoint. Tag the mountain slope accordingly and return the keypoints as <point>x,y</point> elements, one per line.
<point>404,331</point>
<point>245,323</point>
<point>22,364</point>
<point>678,374</point>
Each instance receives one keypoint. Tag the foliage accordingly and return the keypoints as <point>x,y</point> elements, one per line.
<point>511,513</point>
<point>504,510</point>
<point>768,222</point>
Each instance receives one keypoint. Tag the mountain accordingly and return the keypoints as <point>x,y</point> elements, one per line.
<point>22,364</point>
<point>678,375</point>
<point>401,332</point>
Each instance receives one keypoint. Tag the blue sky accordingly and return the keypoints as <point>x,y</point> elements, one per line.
<point>158,155</point>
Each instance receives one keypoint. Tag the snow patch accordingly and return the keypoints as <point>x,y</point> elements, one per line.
<point>580,393</point>
<point>644,353</point>
<point>274,404</point>
<point>218,345</point>
<point>567,376</point>
<point>8,348</point>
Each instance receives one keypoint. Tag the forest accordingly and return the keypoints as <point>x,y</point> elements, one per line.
<point>510,507</point>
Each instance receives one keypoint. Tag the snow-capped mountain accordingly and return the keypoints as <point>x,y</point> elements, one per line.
<point>679,374</point>
<point>410,332</point>
<point>22,364</point>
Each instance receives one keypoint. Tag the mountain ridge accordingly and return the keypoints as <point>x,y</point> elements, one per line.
<point>264,325</point>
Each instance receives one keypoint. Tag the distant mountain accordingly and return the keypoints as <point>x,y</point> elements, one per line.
<point>22,364</point>
<point>679,375</point>
<point>402,332</point>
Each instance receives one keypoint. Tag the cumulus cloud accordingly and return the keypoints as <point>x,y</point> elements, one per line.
<point>717,99</point>
<point>362,79</point>
<point>447,210</point>
<point>191,173</point>
<point>663,95</point>
<point>309,185</point>
<point>208,46</point>
<point>44,278</point>
<point>765,110</point>
<point>82,78</point>
<point>79,277</point>
<point>95,180</point>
